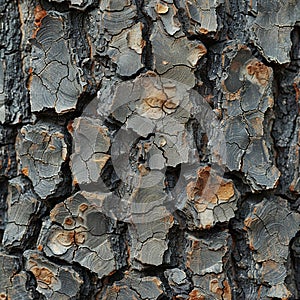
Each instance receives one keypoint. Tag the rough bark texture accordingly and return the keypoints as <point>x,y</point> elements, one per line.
<point>149,149</point>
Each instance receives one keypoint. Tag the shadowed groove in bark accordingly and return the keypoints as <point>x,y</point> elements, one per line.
<point>147,56</point>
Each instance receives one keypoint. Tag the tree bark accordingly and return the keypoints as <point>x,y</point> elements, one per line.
<point>149,149</point>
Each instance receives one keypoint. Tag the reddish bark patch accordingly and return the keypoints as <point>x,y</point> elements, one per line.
<point>83,207</point>
<point>39,15</point>
<point>195,295</point>
<point>195,189</point>
<point>25,171</point>
<point>161,8</point>
<point>43,274</point>
<point>70,126</point>
<point>260,71</point>
<point>68,221</point>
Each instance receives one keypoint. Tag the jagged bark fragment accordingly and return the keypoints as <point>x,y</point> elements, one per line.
<point>91,143</point>
<point>166,13</point>
<point>117,15</point>
<point>53,281</point>
<point>133,287</point>
<point>23,211</point>
<point>272,26</point>
<point>55,81</point>
<point>247,89</point>
<point>202,15</point>
<point>179,283</point>
<point>206,258</point>
<point>211,286</point>
<point>149,241</point>
<point>125,50</point>
<point>115,40</point>
<point>207,199</point>
<point>41,152</point>
<point>205,255</point>
<point>270,227</point>
<point>12,283</point>
<point>9,266</point>
<point>175,58</point>
<point>19,290</point>
<point>84,235</point>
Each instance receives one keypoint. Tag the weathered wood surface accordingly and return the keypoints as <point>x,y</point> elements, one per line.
<point>23,212</point>
<point>149,149</point>
<point>133,286</point>
<point>55,80</point>
<point>41,152</point>
<point>85,236</point>
<point>248,107</point>
<point>52,280</point>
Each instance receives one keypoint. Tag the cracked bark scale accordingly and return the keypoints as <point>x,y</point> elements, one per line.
<point>70,79</point>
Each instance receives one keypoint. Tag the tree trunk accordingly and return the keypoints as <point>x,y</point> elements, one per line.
<point>149,149</point>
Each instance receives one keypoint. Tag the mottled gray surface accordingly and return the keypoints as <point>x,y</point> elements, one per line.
<point>84,236</point>
<point>248,102</point>
<point>55,81</point>
<point>133,287</point>
<point>270,227</point>
<point>42,150</point>
<point>23,210</point>
<point>149,149</point>
<point>53,281</point>
<point>272,27</point>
